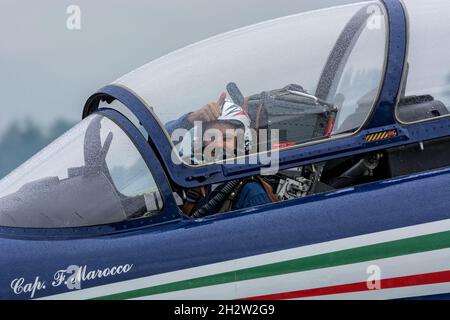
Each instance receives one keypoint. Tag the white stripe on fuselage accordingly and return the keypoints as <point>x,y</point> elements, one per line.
<point>420,263</point>
<point>253,261</point>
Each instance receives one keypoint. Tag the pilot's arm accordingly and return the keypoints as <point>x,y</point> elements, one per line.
<point>210,112</point>
<point>180,123</point>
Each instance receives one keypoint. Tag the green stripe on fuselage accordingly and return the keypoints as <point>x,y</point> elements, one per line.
<point>349,256</point>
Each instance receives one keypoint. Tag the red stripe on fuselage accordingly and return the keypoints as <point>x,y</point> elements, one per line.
<point>408,281</point>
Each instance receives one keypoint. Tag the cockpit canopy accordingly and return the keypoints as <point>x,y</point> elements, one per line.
<point>92,175</point>
<point>311,77</point>
<point>298,73</point>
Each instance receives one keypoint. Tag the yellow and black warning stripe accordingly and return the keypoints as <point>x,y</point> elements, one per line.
<point>384,135</point>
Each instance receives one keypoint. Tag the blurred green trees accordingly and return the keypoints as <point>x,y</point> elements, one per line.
<point>20,141</point>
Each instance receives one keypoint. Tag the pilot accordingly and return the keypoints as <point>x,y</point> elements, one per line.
<point>208,113</point>
<point>224,117</point>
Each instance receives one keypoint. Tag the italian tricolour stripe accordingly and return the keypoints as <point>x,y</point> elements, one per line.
<point>414,261</point>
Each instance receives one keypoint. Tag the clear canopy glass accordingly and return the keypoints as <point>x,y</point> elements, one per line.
<point>293,50</point>
<point>92,175</point>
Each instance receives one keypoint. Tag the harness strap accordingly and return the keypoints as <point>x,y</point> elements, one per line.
<point>190,207</point>
<point>268,188</point>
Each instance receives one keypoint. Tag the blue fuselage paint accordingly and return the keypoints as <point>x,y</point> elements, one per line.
<point>184,244</point>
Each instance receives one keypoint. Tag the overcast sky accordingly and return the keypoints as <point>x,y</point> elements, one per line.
<point>48,71</point>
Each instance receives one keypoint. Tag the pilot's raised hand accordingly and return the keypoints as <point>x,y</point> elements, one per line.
<point>210,112</point>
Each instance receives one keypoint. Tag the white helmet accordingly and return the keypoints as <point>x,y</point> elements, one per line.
<point>233,113</point>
